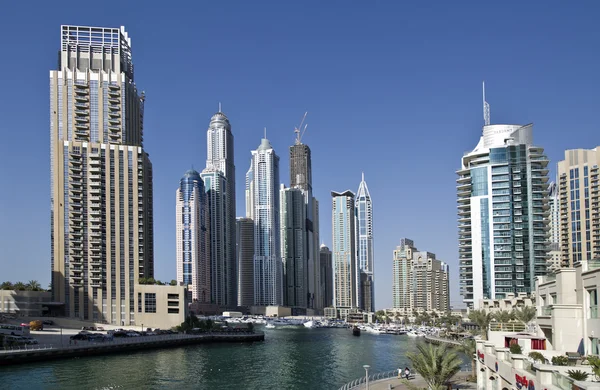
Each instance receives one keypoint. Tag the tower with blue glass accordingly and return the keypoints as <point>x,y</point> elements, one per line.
<point>503,210</point>
<point>364,248</point>
<point>193,245</point>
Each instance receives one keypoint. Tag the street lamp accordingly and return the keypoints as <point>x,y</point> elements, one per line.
<point>366,367</point>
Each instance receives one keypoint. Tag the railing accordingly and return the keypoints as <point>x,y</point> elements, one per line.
<point>594,311</point>
<point>562,381</point>
<point>547,310</point>
<point>593,264</point>
<point>372,378</point>
<point>507,326</point>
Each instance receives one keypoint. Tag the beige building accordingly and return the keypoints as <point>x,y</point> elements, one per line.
<point>510,303</point>
<point>101,178</point>
<point>420,281</point>
<point>159,306</point>
<point>25,303</point>
<point>579,197</point>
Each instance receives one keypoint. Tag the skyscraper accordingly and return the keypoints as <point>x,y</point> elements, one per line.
<point>345,269</point>
<point>555,254</point>
<point>420,281</point>
<point>101,177</point>
<point>301,178</point>
<point>215,185</point>
<point>268,278</point>
<point>245,257</point>
<point>193,237</point>
<point>364,244</point>
<point>326,276</point>
<point>293,247</point>
<point>220,158</point>
<point>578,193</point>
<point>502,190</point>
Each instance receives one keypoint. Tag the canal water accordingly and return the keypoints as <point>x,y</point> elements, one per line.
<point>287,359</point>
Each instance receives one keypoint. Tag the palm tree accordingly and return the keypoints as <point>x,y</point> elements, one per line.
<point>503,316</point>
<point>469,348</point>
<point>526,314</point>
<point>437,364</point>
<point>34,285</point>
<point>20,286</point>
<point>482,319</point>
<point>6,286</point>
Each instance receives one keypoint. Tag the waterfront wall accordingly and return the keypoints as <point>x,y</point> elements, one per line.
<point>126,345</point>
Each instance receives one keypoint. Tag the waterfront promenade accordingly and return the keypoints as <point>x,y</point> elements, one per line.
<point>62,350</point>
<point>458,382</point>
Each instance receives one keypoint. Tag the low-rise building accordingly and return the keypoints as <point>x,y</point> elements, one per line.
<point>25,303</point>
<point>509,303</point>
<point>159,306</point>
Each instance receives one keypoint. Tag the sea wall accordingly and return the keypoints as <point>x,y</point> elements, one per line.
<point>127,345</point>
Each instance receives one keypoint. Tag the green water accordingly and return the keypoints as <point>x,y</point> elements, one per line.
<point>287,359</point>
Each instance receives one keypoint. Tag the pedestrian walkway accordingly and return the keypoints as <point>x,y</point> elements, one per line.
<point>458,382</point>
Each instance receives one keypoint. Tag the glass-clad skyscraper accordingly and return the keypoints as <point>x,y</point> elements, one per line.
<point>263,193</point>
<point>364,246</point>
<point>101,177</point>
<point>503,211</point>
<point>193,247</point>
<point>345,269</point>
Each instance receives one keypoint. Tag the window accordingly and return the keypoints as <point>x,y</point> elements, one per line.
<point>139,302</point>
<point>593,296</point>
<point>173,310</point>
<point>173,296</point>
<point>149,303</point>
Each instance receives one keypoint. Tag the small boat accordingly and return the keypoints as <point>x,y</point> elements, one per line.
<point>411,334</point>
<point>355,331</point>
<point>309,324</point>
<point>270,326</point>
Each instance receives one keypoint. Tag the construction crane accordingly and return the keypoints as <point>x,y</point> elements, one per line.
<point>298,132</point>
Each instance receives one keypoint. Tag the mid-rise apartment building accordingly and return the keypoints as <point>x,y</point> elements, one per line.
<point>420,281</point>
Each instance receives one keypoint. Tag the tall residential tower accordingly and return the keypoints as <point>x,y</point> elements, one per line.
<point>101,177</point>
<point>345,269</point>
<point>579,212</point>
<point>220,166</point>
<point>503,212</point>
<point>263,193</point>
<point>364,246</point>
<point>193,245</point>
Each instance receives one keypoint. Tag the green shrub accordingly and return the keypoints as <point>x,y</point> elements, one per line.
<point>516,349</point>
<point>560,360</point>
<point>578,375</point>
<point>537,357</point>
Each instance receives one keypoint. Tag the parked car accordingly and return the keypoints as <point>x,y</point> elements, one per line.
<point>48,322</point>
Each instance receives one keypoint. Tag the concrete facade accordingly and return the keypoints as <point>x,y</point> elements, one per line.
<point>509,303</point>
<point>161,307</point>
<point>24,303</point>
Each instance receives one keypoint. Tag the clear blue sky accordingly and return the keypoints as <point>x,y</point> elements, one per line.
<point>393,88</point>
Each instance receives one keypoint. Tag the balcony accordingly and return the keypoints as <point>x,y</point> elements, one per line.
<point>82,98</point>
<point>546,311</point>
<point>594,311</point>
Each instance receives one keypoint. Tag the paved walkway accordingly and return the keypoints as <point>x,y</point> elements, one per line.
<point>458,382</point>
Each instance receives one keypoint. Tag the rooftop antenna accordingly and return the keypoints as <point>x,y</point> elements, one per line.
<point>300,134</point>
<point>220,107</point>
<point>486,109</point>
<point>265,133</point>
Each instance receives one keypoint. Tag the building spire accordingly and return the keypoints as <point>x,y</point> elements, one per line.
<point>265,133</point>
<point>363,176</point>
<point>220,107</point>
<point>486,109</point>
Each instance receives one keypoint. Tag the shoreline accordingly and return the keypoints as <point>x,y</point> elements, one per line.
<point>25,356</point>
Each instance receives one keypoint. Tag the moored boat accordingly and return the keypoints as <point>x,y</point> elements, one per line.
<point>355,331</point>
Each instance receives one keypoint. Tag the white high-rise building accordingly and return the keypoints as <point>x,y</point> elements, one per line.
<point>263,193</point>
<point>364,245</point>
<point>220,158</point>
<point>193,246</point>
<point>503,224</point>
